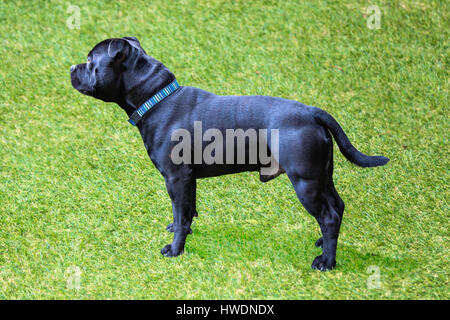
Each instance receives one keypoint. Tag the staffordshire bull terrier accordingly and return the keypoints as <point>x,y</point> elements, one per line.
<point>297,137</point>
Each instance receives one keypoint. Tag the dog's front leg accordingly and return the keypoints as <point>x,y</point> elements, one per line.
<point>179,187</point>
<point>194,213</point>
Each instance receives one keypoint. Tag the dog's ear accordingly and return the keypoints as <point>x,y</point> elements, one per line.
<point>134,42</point>
<point>118,49</point>
<point>133,39</point>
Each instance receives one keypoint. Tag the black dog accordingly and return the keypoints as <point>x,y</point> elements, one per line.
<point>119,70</point>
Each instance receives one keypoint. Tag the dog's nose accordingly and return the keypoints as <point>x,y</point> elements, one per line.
<point>72,68</point>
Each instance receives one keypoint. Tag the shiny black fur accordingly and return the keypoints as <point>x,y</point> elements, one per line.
<point>119,70</point>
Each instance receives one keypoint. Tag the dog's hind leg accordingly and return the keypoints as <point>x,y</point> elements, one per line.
<point>314,198</point>
<point>333,198</point>
<point>308,165</point>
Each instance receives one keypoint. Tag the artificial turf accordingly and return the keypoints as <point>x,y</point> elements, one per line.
<point>80,198</point>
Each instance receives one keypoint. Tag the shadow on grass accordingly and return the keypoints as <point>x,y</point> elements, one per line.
<point>243,242</point>
<point>354,260</point>
<point>246,242</point>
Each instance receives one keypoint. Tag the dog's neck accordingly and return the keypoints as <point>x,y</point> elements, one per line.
<point>152,76</point>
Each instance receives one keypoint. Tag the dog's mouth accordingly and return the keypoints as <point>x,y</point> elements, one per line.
<point>77,83</point>
<point>84,91</point>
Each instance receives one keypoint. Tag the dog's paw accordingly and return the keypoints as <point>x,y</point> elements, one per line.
<point>322,264</point>
<point>319,243</point>
<point>170,228</point>
<point>168,251</point>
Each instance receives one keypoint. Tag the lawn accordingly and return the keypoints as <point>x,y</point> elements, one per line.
<point>83,210</point>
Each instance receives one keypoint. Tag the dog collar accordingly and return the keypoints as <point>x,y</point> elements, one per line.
<point>164,93</point>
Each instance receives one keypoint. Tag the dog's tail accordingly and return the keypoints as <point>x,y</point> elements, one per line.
<point>346,147</point>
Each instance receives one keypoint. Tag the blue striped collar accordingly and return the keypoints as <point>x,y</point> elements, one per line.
<point>139,113</point>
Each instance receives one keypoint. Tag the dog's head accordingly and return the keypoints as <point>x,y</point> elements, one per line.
<point>115,68</point>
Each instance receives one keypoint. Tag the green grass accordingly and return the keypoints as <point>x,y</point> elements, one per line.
<point>77,189</point>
